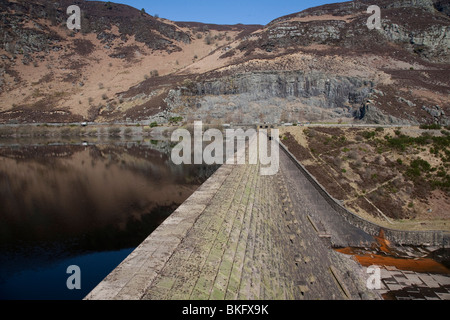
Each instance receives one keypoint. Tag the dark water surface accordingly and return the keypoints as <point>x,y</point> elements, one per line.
<point>89,206</point>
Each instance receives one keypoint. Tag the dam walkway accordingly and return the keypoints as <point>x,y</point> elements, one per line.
<point>243,236</point>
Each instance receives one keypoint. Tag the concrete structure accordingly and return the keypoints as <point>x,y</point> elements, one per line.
<point>407,285</point>
<point>247,236</point>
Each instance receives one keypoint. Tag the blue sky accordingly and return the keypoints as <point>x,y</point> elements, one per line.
<point>224,11</point>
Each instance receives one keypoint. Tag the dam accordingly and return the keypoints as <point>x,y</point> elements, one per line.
<point>244,236</point>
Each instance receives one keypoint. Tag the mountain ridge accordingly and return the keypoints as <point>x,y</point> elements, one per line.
<point>320,64</point>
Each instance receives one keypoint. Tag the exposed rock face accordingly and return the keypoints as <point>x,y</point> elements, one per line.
<point>338,91</point>
<point>273,96</point>
<point>432,43</point>
<point>442,6</point>
<point>421,26</point>
<point>438,115</point>
<point>372,115</point>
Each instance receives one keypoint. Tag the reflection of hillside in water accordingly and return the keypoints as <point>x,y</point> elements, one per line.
<point>81,199</point>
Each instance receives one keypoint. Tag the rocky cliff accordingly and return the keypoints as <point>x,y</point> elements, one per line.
<point>276,96</point>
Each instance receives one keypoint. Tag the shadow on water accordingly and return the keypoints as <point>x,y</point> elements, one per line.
<point>84,205</point>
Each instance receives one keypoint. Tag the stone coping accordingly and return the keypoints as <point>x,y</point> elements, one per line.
<point>136,273</point>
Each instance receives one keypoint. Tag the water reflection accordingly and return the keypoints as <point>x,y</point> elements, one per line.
<point>63,202</point>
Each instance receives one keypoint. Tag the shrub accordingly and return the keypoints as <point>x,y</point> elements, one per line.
<point>422,164</point>
<point>443,184</point>
<point>175,119</point>
<point>358,163</point>
<point>353,155</point>
<point>368,134</point>
<point>337,162</point>
<point>434,126</point>
<point>417,167</point>
<point>209,40</point>
<point>442,173</point>
<point>153,124</point>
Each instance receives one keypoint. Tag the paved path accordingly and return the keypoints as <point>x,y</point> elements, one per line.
<point>240,236</point>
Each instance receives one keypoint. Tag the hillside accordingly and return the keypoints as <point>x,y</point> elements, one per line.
<point>49,73</point>
<point>322,64</point>
<point>396,178</point>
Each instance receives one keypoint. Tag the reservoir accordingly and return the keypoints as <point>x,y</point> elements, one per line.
<point>83,204</point>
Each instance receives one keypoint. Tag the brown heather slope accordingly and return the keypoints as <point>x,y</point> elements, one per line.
<point>397,178</point>
<point>51,74</point>
<point>321,64</point>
